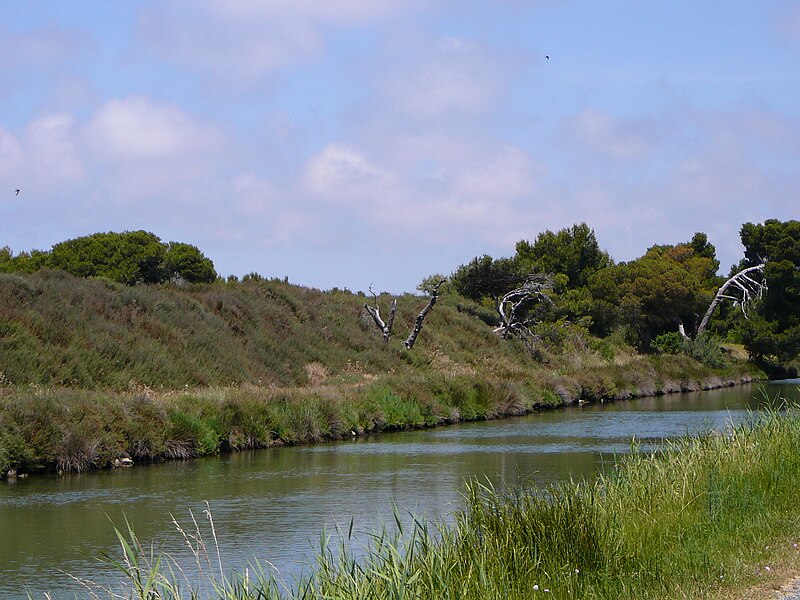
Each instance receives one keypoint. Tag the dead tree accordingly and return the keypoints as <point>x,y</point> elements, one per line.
<point>386,327</point>
<point>742,289</point>
<point>375,313</point>
<point>412,337</point>
<point>513,306</point>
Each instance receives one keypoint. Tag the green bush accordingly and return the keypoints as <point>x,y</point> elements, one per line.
<point>669,343</point>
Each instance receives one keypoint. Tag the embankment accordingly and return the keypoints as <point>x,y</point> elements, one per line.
<point>92,371</point>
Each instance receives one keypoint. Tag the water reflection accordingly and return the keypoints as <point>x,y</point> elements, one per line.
<point>273,504</point>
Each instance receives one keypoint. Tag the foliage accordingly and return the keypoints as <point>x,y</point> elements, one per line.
<point>704,348</point>
<point>667,286</point>
<point>433,283</point>
<point>573,252</point>
<point>129,258</point>
<point>188,263</point>
<point>266,362</point>
<point>669,343</point>
<point>774,330</point>
<point>486,277</point>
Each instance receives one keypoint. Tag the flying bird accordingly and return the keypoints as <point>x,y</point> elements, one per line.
<point>17,194</point>
<point>547,56</point>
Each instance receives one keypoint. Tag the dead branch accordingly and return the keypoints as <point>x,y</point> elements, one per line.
<point>412,337</point>
<point>741,289</point>
<point>375,313</point>
<point>513,305</point>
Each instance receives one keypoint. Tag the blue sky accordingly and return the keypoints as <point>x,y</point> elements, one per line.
<point>353,143</point>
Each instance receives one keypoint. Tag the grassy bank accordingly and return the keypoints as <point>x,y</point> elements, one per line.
<point>71,430</point>
<point>704,518</point>
<point>92,371</point>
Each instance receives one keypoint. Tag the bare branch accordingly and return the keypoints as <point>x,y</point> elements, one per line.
<point>749,290</point>
<point>375,313</point>
<point>412,337</point>
<point>512,305</point>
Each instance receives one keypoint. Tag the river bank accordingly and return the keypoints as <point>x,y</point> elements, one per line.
<point>93,372</point>
<point>68,430</point>
<point>705,517</point>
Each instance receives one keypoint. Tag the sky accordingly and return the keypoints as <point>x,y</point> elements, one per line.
<point>357,143</point>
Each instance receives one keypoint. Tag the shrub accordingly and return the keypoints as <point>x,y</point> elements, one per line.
<point>669,343</point>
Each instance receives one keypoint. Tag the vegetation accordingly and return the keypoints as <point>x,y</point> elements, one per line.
<point>93,370</point>
<point>774,330</point>
<point>662,292</point>
<point>110,330</point>
<point>129,258</point>
<point>700,518</point>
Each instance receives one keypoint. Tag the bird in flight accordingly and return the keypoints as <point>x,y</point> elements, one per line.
<point>547,56</point>
<point>17,194</point>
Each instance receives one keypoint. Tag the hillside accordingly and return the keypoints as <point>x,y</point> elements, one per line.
<point>91,370</point>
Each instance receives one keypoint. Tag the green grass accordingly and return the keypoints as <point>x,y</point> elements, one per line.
<point>91,370</point>
<point>694,520</point>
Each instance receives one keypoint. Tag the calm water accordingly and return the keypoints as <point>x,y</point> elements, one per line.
<point>273,504</point>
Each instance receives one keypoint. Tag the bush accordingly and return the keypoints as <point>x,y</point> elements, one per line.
<point>669,343</point>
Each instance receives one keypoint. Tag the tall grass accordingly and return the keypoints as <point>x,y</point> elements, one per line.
<point>59,330</point>
<point>91,370</point>
<point>692,520</point>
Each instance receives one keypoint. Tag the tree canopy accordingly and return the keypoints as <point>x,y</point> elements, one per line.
<point>773,330</point>
<point>572,251</point>
<point>130,257</point>
<point>653,293</point>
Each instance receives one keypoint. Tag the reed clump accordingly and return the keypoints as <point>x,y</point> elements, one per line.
<point>697,519</point>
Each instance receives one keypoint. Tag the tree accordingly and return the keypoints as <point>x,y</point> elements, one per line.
<point>573,252</point>
<point>130,257</point>
<point>187,262</point>
<point>743,288</point>
<point>485,277</point>
<point>385,327</point>
<point>773,330</point>
<point>514,307</point>
<point>665,289</point>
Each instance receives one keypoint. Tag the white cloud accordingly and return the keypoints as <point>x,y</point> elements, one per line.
<point>139,129</point>
<point>614,137</point>
<point>508,175</point>
<point>10,153</point>
<point>46,48</point>
<point>50,151</point>
<point>354,11</point>
<point>345,175</point>
<point>244,40</point>
<point>443,78</point>
<point>253,196</point>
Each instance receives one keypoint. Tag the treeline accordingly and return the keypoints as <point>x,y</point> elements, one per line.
<point>653,303</point>
<point>646,302</point>
<point>130,258</point>
<point>93,369</point>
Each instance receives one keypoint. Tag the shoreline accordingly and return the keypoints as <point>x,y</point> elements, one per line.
<point>560,396</point>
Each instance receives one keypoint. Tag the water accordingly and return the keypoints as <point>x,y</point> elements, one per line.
<point>273,504</point>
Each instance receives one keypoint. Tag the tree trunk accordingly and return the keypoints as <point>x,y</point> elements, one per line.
<point>412,337</point>
<point>749,289</point>
<point>375,313</point>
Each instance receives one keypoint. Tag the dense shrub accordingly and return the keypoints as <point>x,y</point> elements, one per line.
<point>129,258</point>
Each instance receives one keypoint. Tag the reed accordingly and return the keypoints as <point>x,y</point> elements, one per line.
<point>694,519</point>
